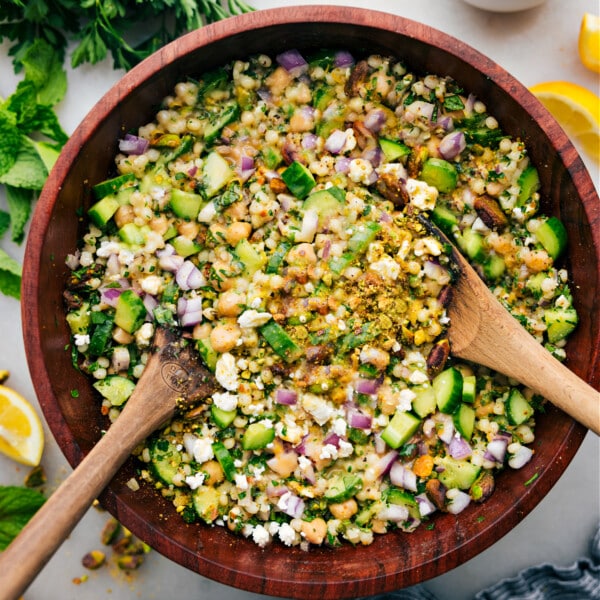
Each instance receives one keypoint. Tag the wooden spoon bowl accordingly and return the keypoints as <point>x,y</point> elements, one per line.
<point>394,560</point>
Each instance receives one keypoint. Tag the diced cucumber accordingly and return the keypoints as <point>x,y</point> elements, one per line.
<point>359,241</point>
<point>365,516</point>
<point>156,178</point>
<point>552,235</point>
<point>184,246</point>
<point>458,473</point>
<point>393,150</point>
<point>101,333</point>
<point>133,235</point>
<point>206,503</point>
<point>216,174</point>
<point>425,401</point>
<point>444,218</point>
<point>252,259</point>
<point>79,319</point>
<point>464,420</point>
<point>130,311</point>
<point>560,323</point>
<point>448,389</point>
<point>323,96</point>
<point>280,341</point>
<point>225,459</point>
<point>186,205</point>
<point>400,429</point>
<point>257,435</point>
<point>115,389</point>
<point>112,186</point>
<point>471,243</point>
<point>469,391</point>
<point>401,497</point>
<point>440,174</point>
<point>358,337</point>
<point>325,202</point>
<point>165,460</point>
<point>299,180</point>
<point>272,157</point>
<point>277,257</point>
<point>518,409</point>
<point>529,182</point>
<point>207,352</point>
<point>102,212</point>
<point>342,487</point>
<point>124,195</point>
<point>222,418</point>
<point>494,267</point>
<point>534,283</point>
<point>226,115</point>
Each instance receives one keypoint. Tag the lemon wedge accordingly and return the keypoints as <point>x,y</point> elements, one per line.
<point>589,41</point>
<point>21,432</point>
<point>576,108</point>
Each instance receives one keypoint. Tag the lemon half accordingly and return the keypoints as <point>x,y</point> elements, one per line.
<point>589,42</point>
<point>21,432</point>
<point>576,108</point>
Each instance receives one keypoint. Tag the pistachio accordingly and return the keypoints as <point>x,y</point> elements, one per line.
<point>93,560</point>
<point>110,532</point>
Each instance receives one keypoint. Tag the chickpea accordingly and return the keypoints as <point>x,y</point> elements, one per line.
<point>124,215</point>
<point>344,510</point>
<point>121,336</point>
<point>159,224</point>
<point>314,531</point>
<point>202,331</point>
<point>230,304</point>
<point>302,254</point>
<point>238,230</point>
<point>213,471</point>
<point>189,229</point>
<point>224,337</point>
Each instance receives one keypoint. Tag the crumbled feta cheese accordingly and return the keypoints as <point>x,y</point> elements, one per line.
<point>144,334</point>
<point>328,451</point>
<point>421,195</point>
<point>360,171</point>
<point>350,142</point>
<point>345,449</point>
<point>396,169</point>
<point>386,267</point>
<point>126,257</point>
<point>405,399</point>
<point>339,427</point>
<point>226,372</point>
<point>151,284</point>
<point>418,377</point>
<point>81,339</point>
<point>319,408</point>
<point>286,534</point>
<point>199,448</point>
<point>241,481</point>
<point>195,481</point>
<point>107,248</point>
<point>208,213</point>
<point>225,401</point>
<point>253,318</point>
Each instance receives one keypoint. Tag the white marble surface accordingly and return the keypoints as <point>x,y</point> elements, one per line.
<point>534,45</point>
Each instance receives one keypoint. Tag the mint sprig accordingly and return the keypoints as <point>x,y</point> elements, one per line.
<point>17,506</point>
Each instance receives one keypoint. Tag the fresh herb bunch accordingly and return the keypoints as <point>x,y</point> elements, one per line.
<point>102,26</point>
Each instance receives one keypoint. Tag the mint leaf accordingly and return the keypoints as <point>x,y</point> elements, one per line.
<point>43,68</point>
<point>4,222</point>
<point>19,205</point>
<point>48,153</point>
<point>10,276</point>
<point>28,170</point>
<point>10,141</point>
<point>17,506</point>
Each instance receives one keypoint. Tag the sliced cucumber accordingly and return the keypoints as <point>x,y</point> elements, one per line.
<point>469,391</point>
<point>342,487</point>
<point>425,401</point>
<point>299,180</point>
<point>226,115</point>
<point>115,389</point>
<point>471,243</point>
<point>277,257</point>
<point>133,235</point>
<point>560,323</point>
<point>216,174</point>
<point>184,246</point>
<point>458,473</point>
<point>112,186</point>
<point>225,459</point>
<point>552,235</point>
<point>393,150</point>
<point>130,311</point>
<point>529,182</point>
<point>186,205</point>
<point>165,460</point>
<point>206,503</point>
<point>518,409</point>
<point>403,498</point>
<point>207,352</point>
<point>257,436</point>
<point>325,202</point>
<point>222,418</point>
<point>448,390</point>
<point>280,341</point>
<point>79,320</point>
<point>494,267</point>
<point>440,174</point>
<point>252,259</point>
<point>464,420</point>
<point>444,218</point>
<point>102,212</point>
<point>400,429</point>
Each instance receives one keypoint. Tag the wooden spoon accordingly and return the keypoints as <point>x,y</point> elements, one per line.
<point>484,332</point>
<point>172,377</point>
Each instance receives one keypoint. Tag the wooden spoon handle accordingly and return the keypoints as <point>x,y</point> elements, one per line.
<point>498,341</point>
<point>36,543</point>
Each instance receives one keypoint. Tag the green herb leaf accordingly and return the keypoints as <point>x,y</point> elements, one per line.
<point>17,506</point>
<point>28,170</point>
<point>10,276</point>
<point>43,68</point>
<point>4,222</point>
<point>19,204</point>
<point>10,140</point>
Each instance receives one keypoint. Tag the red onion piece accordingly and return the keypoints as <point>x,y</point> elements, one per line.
<point>374,120</point>
<point>393,512</point>
<point>385,463</point>
<point>171,263</point>
<point>150,302</point>
<point>436,272</point>
<point>426,506</point>
<point>120,359</point>
<point>403,477</point>
<point>459,448</point>
<point>496,450</point>
<point>189,277</point>
<point>293,62</point>
<point>309,140</point>
<point>379,444</point>
<point>446,123</point>
<point>110,296</point>
<point>373,155</point>
<point>343,59</point>
<point>359,420</point>
<point>113,266</point>
<point>286,397</point>
<point>458,502</point>
<point>367,386</point>
<point>132,144</point>
<point>291,505</point>
<point>469,104</point>
<point>446,432</point>
<point>520,458</point>
<point>72,260</point>
<point>276,491</point>
<point>342,164</point>
<point>452,145</point>
<point>419,108</point>
<point>336,141</point>
<point>264,94</point>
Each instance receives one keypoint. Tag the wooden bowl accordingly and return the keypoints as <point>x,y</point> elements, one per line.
<point>395,560</point>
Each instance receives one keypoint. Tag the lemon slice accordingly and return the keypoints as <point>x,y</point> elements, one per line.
<point>589,41</point>
<point>576,108</point>
<point>21,432</point>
